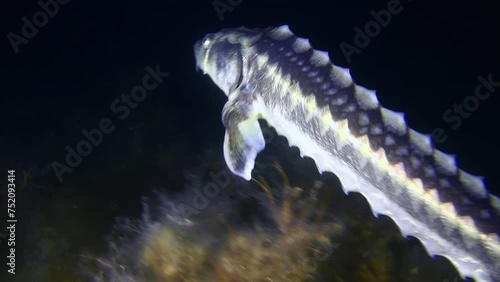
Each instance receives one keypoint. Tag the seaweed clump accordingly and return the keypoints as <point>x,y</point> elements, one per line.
<point>279,233</point>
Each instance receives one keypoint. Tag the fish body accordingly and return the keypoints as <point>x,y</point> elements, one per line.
<point>274,75</point>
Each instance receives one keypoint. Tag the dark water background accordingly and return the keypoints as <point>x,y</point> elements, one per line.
<point>66,77</point>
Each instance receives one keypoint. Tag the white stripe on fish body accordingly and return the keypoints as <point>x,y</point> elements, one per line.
<point>343,128</point>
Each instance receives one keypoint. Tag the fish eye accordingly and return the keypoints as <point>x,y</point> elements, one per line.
<point>206,42</point>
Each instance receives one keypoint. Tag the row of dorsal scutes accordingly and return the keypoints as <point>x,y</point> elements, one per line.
<point>394,122</point>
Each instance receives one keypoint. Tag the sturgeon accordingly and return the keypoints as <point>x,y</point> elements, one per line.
<point>274,75</point>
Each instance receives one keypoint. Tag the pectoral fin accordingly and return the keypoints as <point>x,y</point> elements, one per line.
<point>243,139</point>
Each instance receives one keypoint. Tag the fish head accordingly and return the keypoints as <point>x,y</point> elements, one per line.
<point>222,55</point>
